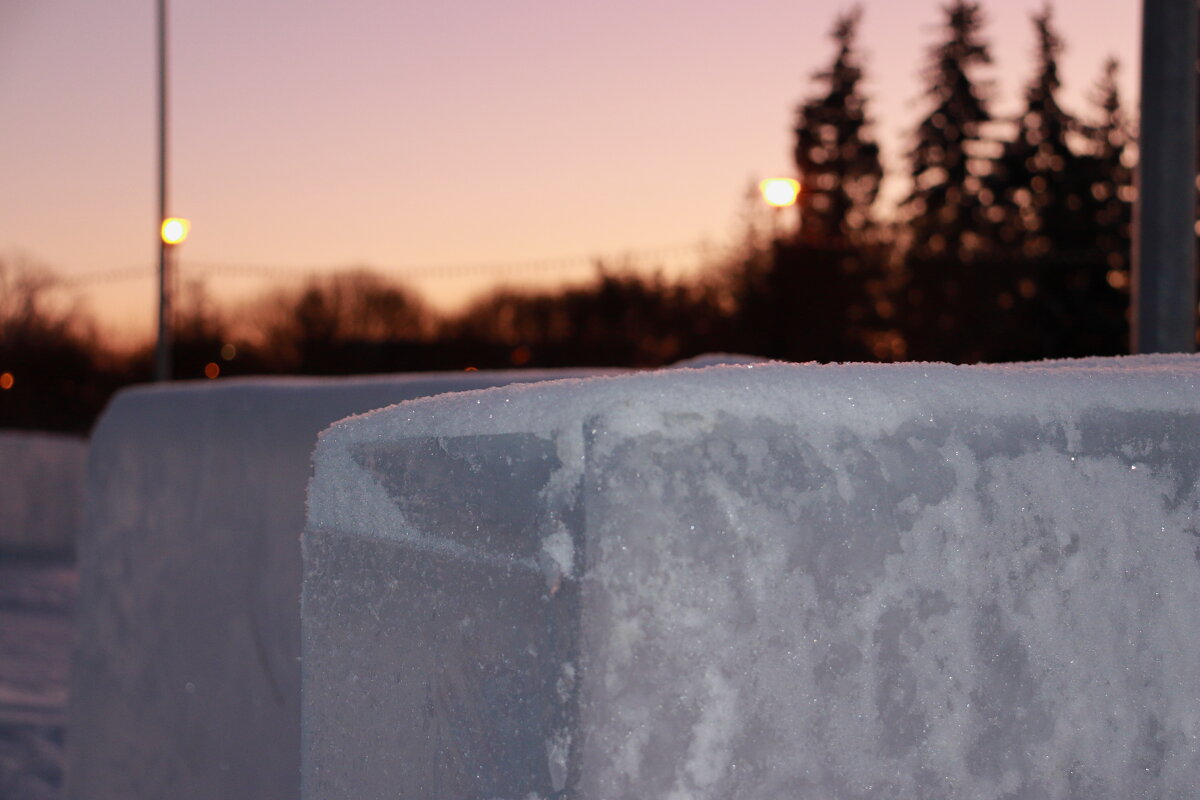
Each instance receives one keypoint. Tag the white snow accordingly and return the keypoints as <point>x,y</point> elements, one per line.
<point>782,580</point>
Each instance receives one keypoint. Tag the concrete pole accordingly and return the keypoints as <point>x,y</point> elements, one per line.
<point>1164,257</point>
<point>162,350</point>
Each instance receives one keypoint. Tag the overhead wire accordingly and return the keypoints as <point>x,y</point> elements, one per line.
<point>661,256</point>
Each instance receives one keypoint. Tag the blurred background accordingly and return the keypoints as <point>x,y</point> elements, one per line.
<point>379,187</point>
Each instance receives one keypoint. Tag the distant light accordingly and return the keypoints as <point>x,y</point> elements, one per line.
<point>520,356</point>
<point>6,381</point>
<point>211,370</point>
<point>175,229</point>
<point>780,192</point>
<point>471,369</point>
<point>228,352</point>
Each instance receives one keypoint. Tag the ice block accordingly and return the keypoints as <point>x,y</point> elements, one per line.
<point>41,494</point>
<point>762,581</point>
<point>186,679</point>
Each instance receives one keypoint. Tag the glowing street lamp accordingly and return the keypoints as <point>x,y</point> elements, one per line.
<point>780,192</point>
<point>172,232</point>
<point>175,230</point>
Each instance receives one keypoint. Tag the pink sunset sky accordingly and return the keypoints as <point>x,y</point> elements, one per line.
<point>409,136</point>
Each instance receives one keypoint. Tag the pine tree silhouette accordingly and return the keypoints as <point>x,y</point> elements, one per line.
<point>946,296</point>
<point>944,205</point>
<point>1039,184</point>
<point>1110,176</point>
<point>837,160</point>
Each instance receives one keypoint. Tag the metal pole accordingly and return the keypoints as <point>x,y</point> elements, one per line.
<point>1164,257</point>
<point>162,359</point>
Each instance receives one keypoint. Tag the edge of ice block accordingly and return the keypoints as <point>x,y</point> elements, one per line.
<point>866,399</point>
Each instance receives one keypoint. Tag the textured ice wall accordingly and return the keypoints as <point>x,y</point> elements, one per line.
<point>762,582</point>
<point>41,493</point>
<point>186,678</point>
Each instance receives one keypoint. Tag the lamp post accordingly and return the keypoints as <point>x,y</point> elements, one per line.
<point>162,350</point>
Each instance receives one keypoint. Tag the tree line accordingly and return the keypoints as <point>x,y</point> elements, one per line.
<point>1013,244</point>
<point>1014,240</point>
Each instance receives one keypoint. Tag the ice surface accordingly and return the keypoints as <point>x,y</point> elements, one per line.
<point>186,678</point>
<point>41,493</point>
<point>763,581</point>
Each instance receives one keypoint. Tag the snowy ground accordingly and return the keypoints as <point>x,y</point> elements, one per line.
<point>36,600</point>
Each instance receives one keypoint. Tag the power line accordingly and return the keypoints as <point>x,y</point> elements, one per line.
<point>663,255</point>
<point>107,276</point>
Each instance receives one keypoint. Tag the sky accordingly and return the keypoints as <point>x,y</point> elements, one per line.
<point>452,144</point>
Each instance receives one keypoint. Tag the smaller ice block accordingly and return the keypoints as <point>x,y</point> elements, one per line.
<point>186,679</point>
<point>41,495</point>
<point>762,581</point>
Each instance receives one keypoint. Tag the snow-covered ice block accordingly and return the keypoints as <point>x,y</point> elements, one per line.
<point>762,581</point>
<point>41,493</point>
<point>186,680</point>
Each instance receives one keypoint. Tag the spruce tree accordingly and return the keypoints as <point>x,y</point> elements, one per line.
<point>1039,184</point>
<point>1098,293</point>
<point>947,304</point>
<point>815,296</point>
<point>1068,215</point>
<point>944,205</point>
<point>838,161</point>
<point>1110,178</point>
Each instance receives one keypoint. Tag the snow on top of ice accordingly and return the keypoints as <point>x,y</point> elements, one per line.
<point>863,396</point>
<point>1151,360</point>
<point>422,384</point>
<point>717,359</point>
<point>825,400</point>
<point>294,407</point>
